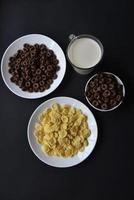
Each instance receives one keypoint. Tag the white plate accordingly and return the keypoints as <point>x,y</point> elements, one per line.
<point>58,161</point>
<point>18,44</point>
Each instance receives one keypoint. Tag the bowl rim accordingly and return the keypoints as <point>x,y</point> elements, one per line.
<point>119,81</point>
<point>2,60</point>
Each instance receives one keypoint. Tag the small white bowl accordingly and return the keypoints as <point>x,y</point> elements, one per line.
<point>18,44</point>
<point>118,80</point>
<point>61,161</point>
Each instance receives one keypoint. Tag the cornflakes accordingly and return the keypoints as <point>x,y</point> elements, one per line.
<point>62,130</point>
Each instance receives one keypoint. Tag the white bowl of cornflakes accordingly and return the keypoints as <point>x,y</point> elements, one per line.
<point>62,132</point>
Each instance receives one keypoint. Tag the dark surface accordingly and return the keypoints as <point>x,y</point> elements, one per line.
<point>108,173</point>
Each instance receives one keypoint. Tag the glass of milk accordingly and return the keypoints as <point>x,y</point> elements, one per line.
<point>84,52</point>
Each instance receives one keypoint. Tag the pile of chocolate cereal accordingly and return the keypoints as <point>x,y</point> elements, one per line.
<point>34,67</point>
<point>104,92</point>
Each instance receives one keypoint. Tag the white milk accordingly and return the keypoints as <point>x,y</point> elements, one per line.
<point>84,53</point>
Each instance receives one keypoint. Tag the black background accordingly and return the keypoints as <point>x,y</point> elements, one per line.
<point>108,173</point>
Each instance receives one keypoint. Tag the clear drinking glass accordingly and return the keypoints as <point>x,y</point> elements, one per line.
<point>85,70</point>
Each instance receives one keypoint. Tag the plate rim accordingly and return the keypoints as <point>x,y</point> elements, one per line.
<point>3,77</point>
<point>28,128</point>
